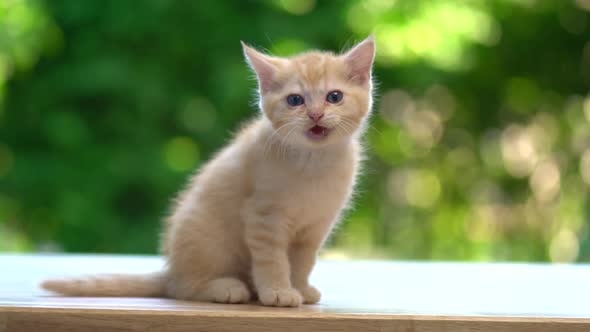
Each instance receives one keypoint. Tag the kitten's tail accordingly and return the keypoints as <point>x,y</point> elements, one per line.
<point>115,285</point>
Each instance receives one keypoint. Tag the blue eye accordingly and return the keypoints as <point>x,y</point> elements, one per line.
<point>295,100</point>
<point>334,97</point>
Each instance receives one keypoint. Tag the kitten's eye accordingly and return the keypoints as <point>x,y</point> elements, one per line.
<point>334,97</point>
<point>295,100</point>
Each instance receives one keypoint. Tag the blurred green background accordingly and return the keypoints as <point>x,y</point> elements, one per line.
<point>479,146</point>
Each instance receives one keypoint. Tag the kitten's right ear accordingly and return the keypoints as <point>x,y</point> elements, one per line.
<point>265,66</point>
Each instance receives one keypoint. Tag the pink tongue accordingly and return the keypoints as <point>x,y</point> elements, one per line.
<point>317,130</point>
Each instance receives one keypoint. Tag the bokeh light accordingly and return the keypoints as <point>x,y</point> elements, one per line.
<point>436,31</point>
<point>297,7</point>
<point>181,154</point>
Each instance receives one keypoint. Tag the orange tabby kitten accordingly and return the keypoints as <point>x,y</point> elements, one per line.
<point>252,220</point>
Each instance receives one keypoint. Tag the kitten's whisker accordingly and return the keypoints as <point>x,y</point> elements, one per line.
<point>289,138</point>
<point>299,124</point>
<point>268,143</point>
<point>349,123</point>
<point>345,126</point>
<point>341,126</point>
<point>373,127</point>
<point>281,141</point>
<point>370,126</point>
<point>354,127</point>
<point>286,139</point>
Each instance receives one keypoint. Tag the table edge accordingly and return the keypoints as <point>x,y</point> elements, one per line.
<point>294,315</point>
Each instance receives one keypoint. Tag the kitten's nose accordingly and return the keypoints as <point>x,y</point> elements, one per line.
<point>315,116</point>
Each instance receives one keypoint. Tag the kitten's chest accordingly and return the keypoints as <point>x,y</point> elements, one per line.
<point>312,197</point>
<point>321,198</point>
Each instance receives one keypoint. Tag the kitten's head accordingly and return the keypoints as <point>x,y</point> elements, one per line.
<point>316,98</point>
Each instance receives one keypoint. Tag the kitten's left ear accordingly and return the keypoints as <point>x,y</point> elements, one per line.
<point>360,60</point>
<point>265,66</point>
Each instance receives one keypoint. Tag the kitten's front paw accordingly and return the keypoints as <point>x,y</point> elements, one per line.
<point>311,295</point>
<point>280,297</point>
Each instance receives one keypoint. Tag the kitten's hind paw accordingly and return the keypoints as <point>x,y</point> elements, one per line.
<point>311,295</point>
<point>280,297</point>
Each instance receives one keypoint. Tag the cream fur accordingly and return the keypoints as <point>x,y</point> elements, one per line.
<point>251,222</point>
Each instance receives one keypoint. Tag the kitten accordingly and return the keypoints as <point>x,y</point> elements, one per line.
<point>251,222</point>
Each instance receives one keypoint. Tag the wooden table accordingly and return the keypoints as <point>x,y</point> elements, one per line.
<point>357,296</point>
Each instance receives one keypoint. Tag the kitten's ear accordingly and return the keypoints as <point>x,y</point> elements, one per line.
<point>265,66</point>
<point>360,60</point>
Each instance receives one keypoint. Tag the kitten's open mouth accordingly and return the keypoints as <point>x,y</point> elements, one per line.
<point>317,132</point>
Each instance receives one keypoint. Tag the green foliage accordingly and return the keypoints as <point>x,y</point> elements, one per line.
<point>479,147</point>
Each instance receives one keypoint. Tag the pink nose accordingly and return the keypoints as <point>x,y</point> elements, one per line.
<point>315,116</point>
